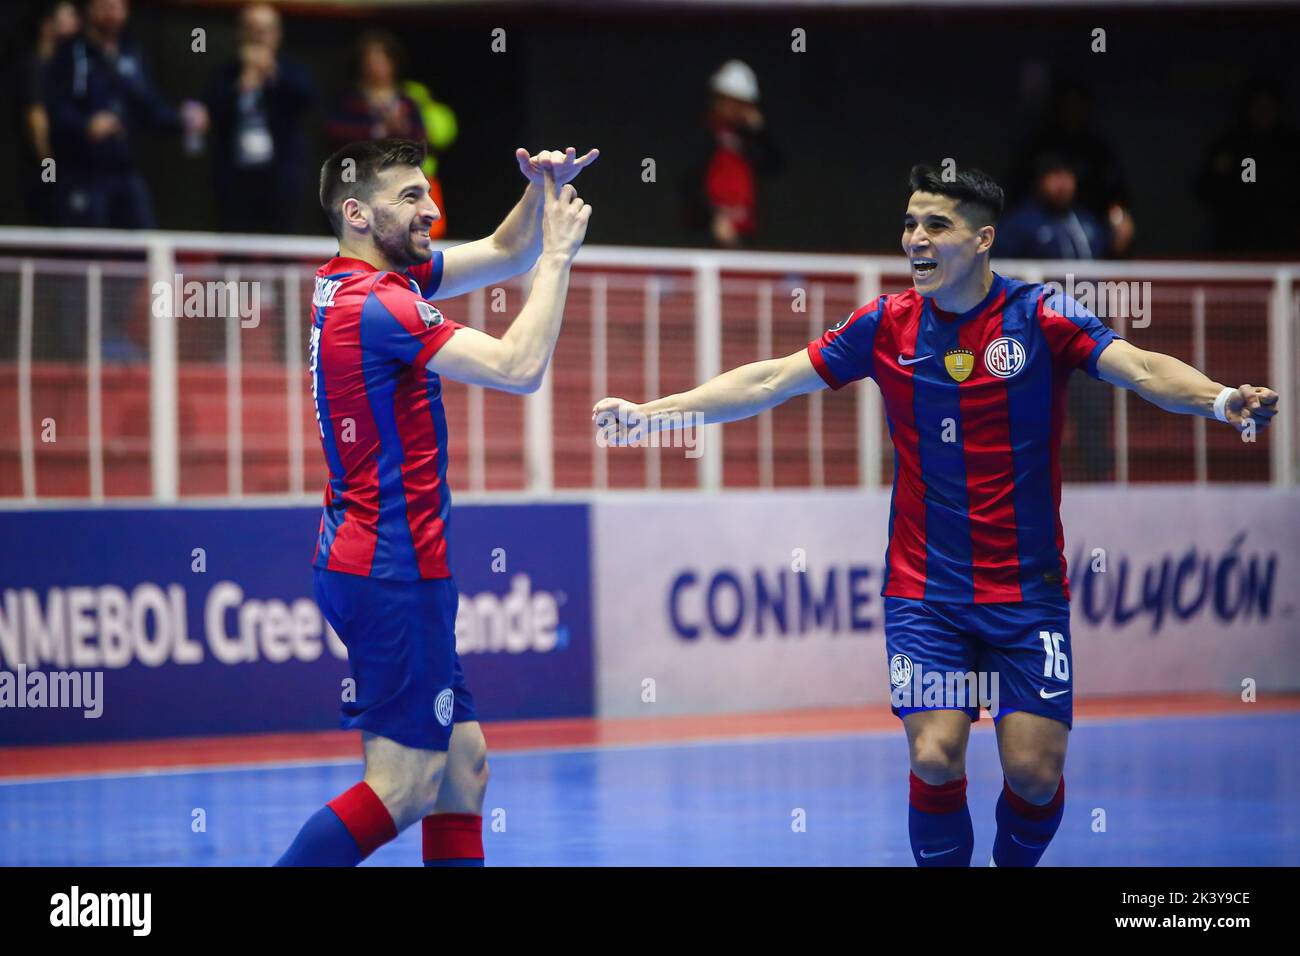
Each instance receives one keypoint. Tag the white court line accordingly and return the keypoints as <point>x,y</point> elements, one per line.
<point>497,755</point>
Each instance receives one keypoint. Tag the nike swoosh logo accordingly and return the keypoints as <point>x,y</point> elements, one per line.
<point>926,856</point>
<point>1028,846</point>
<point>911,361</point>
<point>1042,692</point>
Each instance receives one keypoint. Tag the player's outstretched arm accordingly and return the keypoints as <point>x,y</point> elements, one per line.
<point>1177,387</point>
<point>731,396</point>
<point>517,361</point>
<point>514,245</point>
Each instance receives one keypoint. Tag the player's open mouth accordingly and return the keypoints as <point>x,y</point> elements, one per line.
<point>924,268</point>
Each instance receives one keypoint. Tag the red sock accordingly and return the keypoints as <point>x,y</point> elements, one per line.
<point>365,816</point>
<point>936,797</point>
<point>1025,829</point>
<point>453,836</point>
<point>938,822</point>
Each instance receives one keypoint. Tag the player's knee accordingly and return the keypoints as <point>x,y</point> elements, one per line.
<point>938,758</point>
<point>1034,777</point>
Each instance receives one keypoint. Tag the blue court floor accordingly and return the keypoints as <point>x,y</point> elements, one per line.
<point>1213,790</point>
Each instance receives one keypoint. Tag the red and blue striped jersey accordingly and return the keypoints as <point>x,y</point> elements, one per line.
<point>381,420</point>
<point>975,404</point>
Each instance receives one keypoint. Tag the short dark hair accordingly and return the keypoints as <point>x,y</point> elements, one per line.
<point>1050,161</point>
<point>979,198</point>
<point>350,172</point>
<point>387,42</point>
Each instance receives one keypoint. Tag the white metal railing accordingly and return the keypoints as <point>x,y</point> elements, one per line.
<point>603,271</point>
<point>25,424</point>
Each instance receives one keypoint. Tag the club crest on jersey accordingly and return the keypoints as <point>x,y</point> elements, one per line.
<point>1004,357</point>
<point>429,314</point>
<point>900,669</point>
<point>959,363</point>
<point>442,707</point>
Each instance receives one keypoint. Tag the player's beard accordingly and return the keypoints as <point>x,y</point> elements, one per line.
<point>397,242</point>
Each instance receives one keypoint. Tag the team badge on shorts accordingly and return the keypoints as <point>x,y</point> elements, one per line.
<point>429,314</point>
<point>959,363</point>
<point>1004,357</point>
<point>900,669</point>
<point>442,707</point>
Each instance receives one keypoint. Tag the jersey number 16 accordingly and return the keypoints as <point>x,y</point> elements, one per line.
<point>1056,665</point>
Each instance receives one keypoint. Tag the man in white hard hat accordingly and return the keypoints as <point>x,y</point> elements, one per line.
<point>721,188</point>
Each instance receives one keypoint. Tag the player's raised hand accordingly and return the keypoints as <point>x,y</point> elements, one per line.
<point>564,218</point>
<point>615,418</point>
<point>564,165</point>
<point>1251,402</point>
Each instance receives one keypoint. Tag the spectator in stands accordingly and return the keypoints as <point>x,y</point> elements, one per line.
<point>257,102</point>
<point>1051,224</point>
<point>98,94</point>
<point>1238,207</point>
<point>721,186</point>
<point>377,108</point>
<point>57,22</point>
<point>1067,128</point>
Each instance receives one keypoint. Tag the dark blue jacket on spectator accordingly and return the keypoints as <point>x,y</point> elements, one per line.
<point>82,80</point>
<point>1033,231</point>
<point>278,107</point>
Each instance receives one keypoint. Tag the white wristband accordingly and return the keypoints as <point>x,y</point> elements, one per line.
<point>1221,404</point>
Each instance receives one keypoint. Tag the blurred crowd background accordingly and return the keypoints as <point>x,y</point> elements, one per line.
<point>762,128</point>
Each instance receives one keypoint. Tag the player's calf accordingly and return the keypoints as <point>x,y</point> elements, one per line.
<point>1032,802</point>
<point>1024,828</point>
<point>405,778</point>
<point>408,798</point>
<point>466,778</point>
<point>453,830</point>
<point>400,785</point>
<point>343,832</point>
<point>938,821</point>
<point>1032,750</point>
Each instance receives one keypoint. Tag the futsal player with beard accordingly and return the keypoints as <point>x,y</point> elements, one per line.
<point>972,366</point>
<point>378,351</point>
